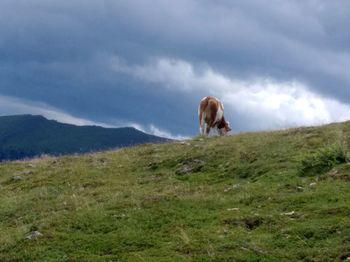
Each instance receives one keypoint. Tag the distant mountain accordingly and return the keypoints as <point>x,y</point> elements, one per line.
<point>23,136</point>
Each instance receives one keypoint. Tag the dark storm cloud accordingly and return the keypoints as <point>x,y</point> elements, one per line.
<point>61,52</point>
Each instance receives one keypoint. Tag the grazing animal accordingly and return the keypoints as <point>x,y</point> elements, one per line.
<point>211,115</point>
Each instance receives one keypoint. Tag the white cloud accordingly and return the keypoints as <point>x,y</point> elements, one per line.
<point>174,73</point>
<point>278,105</point>
<point>164,133</point>
<point>269,103</point>
<point>11,105</point>
<point>156,131</point>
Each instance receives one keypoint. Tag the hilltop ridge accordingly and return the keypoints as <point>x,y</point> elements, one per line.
<point>23,136</point>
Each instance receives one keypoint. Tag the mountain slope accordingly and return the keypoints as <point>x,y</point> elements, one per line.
<point>27,136</point>
<point>269,196</point>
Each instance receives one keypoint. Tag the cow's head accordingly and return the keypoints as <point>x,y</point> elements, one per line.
<point>224,127</point>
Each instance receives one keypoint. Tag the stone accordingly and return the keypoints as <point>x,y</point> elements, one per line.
<point>16,178</point>
<point>34,235</point>
<point>233,209</point>
<point>26,172</point>
<point>288,213</point>
<point>189,166</point>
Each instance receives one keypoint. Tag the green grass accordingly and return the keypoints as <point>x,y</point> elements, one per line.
<point>265,196</point>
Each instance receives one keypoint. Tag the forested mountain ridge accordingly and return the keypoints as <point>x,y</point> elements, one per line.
<point>23,136</point>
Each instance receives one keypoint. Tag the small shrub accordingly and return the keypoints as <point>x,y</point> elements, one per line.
<point>189,166</point>
<point>247,167</point>
<point>322,161</point>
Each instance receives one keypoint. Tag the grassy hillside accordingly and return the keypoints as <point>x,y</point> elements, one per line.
<point>27,136</point>
<point>271,196</point>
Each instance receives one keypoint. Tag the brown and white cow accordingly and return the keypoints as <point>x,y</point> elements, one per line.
<point>211,115</point>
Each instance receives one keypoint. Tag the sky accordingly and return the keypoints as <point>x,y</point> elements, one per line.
<point>274,64</point>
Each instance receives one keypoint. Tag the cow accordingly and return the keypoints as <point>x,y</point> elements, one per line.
<point>211,115</point>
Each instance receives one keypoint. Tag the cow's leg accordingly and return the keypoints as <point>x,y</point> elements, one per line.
<point>202,115</point>
<point>202,124</point>
<point>219,132</point>
<point>201,130</point>
<point>210,127</point>
<point>207,130</point>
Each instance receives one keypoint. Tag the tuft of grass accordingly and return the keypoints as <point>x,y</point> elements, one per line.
<point>323,160</point>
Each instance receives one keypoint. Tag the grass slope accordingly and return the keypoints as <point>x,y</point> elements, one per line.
<point>270,196</point>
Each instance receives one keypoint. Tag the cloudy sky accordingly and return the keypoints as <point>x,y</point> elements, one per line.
<point>148,63</point>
